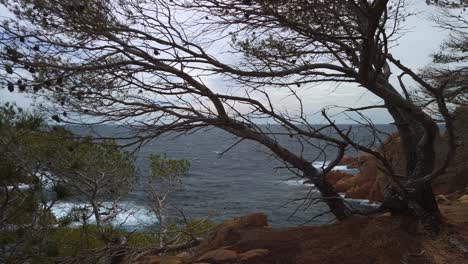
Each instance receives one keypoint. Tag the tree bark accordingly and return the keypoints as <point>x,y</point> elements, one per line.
<point>333,200</point>
<point>96,215</point>
<point>330,195</point>
<point>417,143</point>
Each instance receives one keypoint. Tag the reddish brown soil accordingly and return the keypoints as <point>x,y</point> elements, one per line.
<point>360,241</point>
<point>383,239</point>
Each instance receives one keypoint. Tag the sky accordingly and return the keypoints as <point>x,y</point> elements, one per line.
<point>414,50</point>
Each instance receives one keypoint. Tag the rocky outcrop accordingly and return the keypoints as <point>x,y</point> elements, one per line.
<point>379,239</point>
<point>219,256</point>
<point>224,255</point>
<point>335,176</point>
<point>365,184</point>
<point>359,240</point>
<point>350,161</point>
<point>218,247</point>
<point>254,255</point>
<point>456,177</point>
<point>370,181</point>
<point>229,231</point>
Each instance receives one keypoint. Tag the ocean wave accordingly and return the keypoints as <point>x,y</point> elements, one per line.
<point>320,165</point>
<point>362,205</point>
<point>297,182</point>
<point>323,165</point>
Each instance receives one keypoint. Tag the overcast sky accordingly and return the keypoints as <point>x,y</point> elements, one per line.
<point>414,50</point>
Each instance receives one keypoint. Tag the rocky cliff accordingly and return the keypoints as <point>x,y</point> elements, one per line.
<point>369,182</point>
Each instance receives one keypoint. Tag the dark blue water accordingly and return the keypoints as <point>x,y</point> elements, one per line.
<point>243,180</point>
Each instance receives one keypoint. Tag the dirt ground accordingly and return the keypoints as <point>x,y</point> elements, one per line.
<point>380,239</point>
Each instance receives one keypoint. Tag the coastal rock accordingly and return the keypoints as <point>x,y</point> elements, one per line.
<point>334,176</point>
<point>368,183</point>
<point>253,255</point>
<point>184,254</point>
<point>350,161</point>
<point>455,177</point>
<point>219,256</point>
<point>308,182</point>
<point>442,199</point>
<point>342,186</point>
<point>464,199</point>
<point>358,240</point>
<point>229,231</point>
<point>371,180</point>
<point>360,191</point>
<point>376,190</point>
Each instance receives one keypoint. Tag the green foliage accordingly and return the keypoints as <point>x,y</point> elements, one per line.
<point>28,146</point>
<point>16,117</point>
<point>45,244</point>
<point>29,151</point>
<point>167,169</point>
<point>61,191</point>
<point>22,211</point>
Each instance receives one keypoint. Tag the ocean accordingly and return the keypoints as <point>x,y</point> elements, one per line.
<point>243,180</point>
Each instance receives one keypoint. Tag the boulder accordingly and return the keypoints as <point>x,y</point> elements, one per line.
<point>367,184</point>
<point>184,254</point>
<point>442,199</point>
<point>376,190</point>
<point>360,191</point>
<point>334,176</point>
<point>343,185</point>
<point>464,199</point>
<point>219,256</point>
<point>371,176</point>
<point>308,182</point>
<point>253,255</point>
<point>454,178</point>
<point>350,161</point>
<point>229,231</point>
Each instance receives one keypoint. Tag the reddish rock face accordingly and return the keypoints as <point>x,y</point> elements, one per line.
<point>370,181</point>
<point>219,256</point>
<point>343,185</point>
<point>253,255</point>
<point>360,191</point>
<point>334,176</point>
<point>229,231</point>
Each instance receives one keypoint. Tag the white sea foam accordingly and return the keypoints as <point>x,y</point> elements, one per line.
<point>20,186</point>
<point>323,165</point>
<point>320,165</point>
<point>127,214</point>
<point>361,203</point>
<point>296,182</point>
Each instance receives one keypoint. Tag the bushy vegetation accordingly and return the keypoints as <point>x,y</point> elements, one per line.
<point>40,165</point>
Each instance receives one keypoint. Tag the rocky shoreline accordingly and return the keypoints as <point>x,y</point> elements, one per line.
<point>370,180</point>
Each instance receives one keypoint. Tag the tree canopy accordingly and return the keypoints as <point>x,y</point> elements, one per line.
<point>148,62</point>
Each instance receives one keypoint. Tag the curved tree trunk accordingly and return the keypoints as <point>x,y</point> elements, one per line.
<point>330,196</point>
<point>417,143</point>
<point>333,200</point>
